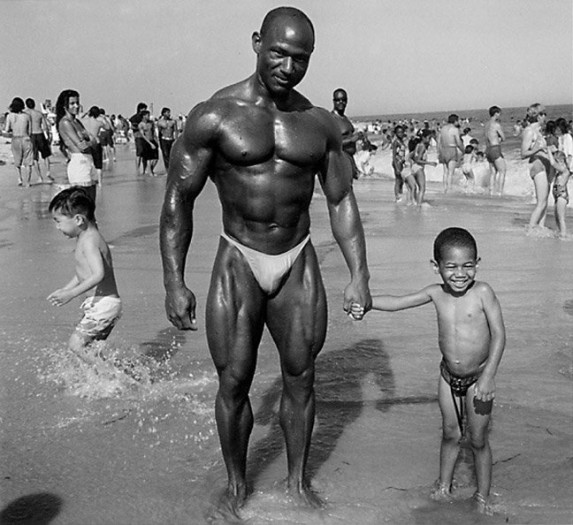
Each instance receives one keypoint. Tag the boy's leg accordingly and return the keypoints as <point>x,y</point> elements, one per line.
<point>560,207</point>
<point>451,436</point>
<point>479,415</point>
<point>78,344</point>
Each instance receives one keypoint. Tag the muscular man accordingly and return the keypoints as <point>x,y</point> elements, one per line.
<point>450,149</point>
<point>167,131</point>
<point>262,143</point>
<point>41,139</point>
<point>349,134</point>
<point>493,138</point>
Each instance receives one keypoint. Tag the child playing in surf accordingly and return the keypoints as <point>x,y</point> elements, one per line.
<point>471,338</point>
<point>73,211</point>
<point>560,194</point>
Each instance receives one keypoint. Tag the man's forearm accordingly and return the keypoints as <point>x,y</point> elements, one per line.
<point>176,230</point>
<point>349,234</point>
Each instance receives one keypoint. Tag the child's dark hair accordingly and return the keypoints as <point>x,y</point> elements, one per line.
<point>457,237</point>
<point>469,149</point>
<point>74,201</point>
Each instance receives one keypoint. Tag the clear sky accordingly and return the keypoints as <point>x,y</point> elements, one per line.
<point>392,56</point>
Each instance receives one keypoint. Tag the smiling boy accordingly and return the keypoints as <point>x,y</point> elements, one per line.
<point>472,339</point>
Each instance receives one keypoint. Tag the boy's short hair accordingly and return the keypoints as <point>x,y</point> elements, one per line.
<point>74,201</point>
<point>493,110</point>
<point>94,112</point>
<point>474,142</point>
<point>469,149</point>
<point>453,237</point>
<point>30,103</point>
<point>165,110</point>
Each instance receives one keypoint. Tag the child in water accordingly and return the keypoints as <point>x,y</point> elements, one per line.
<point>417,178</point>
<point>471,336</point>
<point>467,165</point>
<point>560,193</point>
<point>73,211</point>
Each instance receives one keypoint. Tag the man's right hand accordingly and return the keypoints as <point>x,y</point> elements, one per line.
<point>180,307</point>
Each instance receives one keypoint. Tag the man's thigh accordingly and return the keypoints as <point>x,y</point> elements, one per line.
<point>234,313</point>
<point>297,315</point>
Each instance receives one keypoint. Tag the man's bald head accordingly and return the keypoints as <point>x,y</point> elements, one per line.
<point>284,13</point>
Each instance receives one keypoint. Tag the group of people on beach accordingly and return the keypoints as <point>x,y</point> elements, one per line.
<point>549,151</point>
<point>31,138</point>
<point>266,271</point>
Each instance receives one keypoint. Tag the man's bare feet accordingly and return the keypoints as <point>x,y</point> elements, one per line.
<point>302,493</point>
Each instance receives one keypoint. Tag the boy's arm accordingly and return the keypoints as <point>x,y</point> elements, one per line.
<point>393,303</point>
<point>97,274</point>
<point>485,386</point>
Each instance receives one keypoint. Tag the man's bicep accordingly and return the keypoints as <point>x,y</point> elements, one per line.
<point>338,177</point>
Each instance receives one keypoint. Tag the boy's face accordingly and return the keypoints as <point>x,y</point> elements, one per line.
<point>458,268</point>
<point>69,226</point>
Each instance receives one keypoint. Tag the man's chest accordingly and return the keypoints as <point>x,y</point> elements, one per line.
<point>256,137</point>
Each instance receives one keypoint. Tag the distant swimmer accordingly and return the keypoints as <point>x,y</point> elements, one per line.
<point>167,131</point>
<point>471,335</point>
<point>417,177</point>
<point>264,146</point>
<point>399,153</point>
<point>349,135</point>
<point>134,121</point>
<point>75,142</point>
<point>149,151</point>
<point>450,149</point>
<point>493,138</point>
<point>534,149</point>
<point>19,126</point>
<point>41,139</point>
<point>560,191</point>
<point>73,211</point>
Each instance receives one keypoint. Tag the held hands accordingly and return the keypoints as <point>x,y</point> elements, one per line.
<point>357,301</point>
<point>60,297</point>
<point>180,308</point>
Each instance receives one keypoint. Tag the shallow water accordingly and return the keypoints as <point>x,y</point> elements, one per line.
<point>133,440</point>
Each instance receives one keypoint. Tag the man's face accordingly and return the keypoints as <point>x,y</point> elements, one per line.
<point>283,54</point>
<point>340,101</point>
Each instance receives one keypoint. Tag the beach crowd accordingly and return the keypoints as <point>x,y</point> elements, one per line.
<point>266,272</point>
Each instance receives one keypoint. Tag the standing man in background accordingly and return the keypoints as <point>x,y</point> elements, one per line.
<point>493,138</point>
<point>167,131</point>
<point>41,138</point>
<point>349,134</point>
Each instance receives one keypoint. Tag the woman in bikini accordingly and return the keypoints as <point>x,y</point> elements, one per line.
<point>534,148</point>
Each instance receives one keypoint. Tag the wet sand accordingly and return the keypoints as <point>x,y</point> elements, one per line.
<point>80,448</point>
